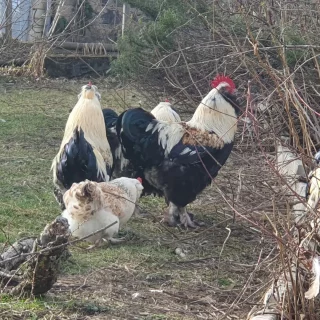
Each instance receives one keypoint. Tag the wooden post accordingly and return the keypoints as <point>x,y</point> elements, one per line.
<point>8,23</point>
<point>125,16</point>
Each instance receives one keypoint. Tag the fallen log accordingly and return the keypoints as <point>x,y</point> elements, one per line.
<point>13,62</point>
<point>16,254</point>
<point>31,265</point>
<point>77,50</point>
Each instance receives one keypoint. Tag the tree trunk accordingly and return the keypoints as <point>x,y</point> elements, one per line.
<point>8,23</point>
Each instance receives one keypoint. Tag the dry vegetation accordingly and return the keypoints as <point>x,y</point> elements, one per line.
<point>146,278</point>
<point>271,50</point>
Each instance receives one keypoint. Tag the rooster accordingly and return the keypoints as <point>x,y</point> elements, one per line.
<point>84,152</point>
<point>164,112</point>
<point>98,95</point>
<point>178,160</point>
<point>91,206</point>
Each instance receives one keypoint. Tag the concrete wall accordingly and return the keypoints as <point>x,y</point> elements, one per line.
<point>33,17</point>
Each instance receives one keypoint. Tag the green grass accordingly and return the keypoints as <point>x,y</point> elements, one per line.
<point>101,281</point>
<point>29,138</point>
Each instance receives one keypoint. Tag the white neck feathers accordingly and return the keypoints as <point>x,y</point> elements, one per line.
<point>215,114</point>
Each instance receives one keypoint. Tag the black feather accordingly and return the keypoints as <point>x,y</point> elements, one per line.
<point>110,120</point>
<point>139,146</point>
<point>231,98</point>
<point>110,117</point>
<point>77,162</point>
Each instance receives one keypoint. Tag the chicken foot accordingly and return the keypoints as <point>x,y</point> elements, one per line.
<point>185,218</point>
<point>179,215</point>
<point>98,244</point>
<point>197,223</point>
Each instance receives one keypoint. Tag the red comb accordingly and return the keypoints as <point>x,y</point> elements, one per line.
<point>219,79</point>
<point>166,100</point>
<point>139,179</point>
<point>90,83</point>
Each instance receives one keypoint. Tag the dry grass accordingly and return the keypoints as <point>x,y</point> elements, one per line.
<point>225,264</point>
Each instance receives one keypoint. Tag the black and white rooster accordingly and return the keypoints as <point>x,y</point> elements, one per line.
<point>178,160</point>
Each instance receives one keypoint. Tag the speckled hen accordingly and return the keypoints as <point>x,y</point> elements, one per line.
<point>91,206</point>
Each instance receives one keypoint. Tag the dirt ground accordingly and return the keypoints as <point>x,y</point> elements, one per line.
<point>215,272</point>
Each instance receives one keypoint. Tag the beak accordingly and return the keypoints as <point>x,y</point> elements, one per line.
<point>88,86</point>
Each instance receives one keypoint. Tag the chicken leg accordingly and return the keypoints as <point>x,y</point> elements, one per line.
<point>178,215</point>
<point>185,218</point>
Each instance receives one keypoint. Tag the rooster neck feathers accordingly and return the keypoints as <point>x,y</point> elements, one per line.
<point>214,123</point>
<point>216,114</point>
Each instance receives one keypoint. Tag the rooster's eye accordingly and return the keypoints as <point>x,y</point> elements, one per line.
<point>213,99</point>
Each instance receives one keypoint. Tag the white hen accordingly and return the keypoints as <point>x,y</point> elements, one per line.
<point>91,206</point>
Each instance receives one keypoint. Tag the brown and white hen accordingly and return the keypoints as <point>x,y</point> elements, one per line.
<point>91,206</point>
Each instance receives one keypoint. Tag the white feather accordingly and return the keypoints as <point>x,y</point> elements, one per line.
<point>216,114</point>
<point>164,112</point>
<point>184,151</point>
<point>314,288</point>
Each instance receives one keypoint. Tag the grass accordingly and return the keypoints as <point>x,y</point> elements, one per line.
<point>141,279</point>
